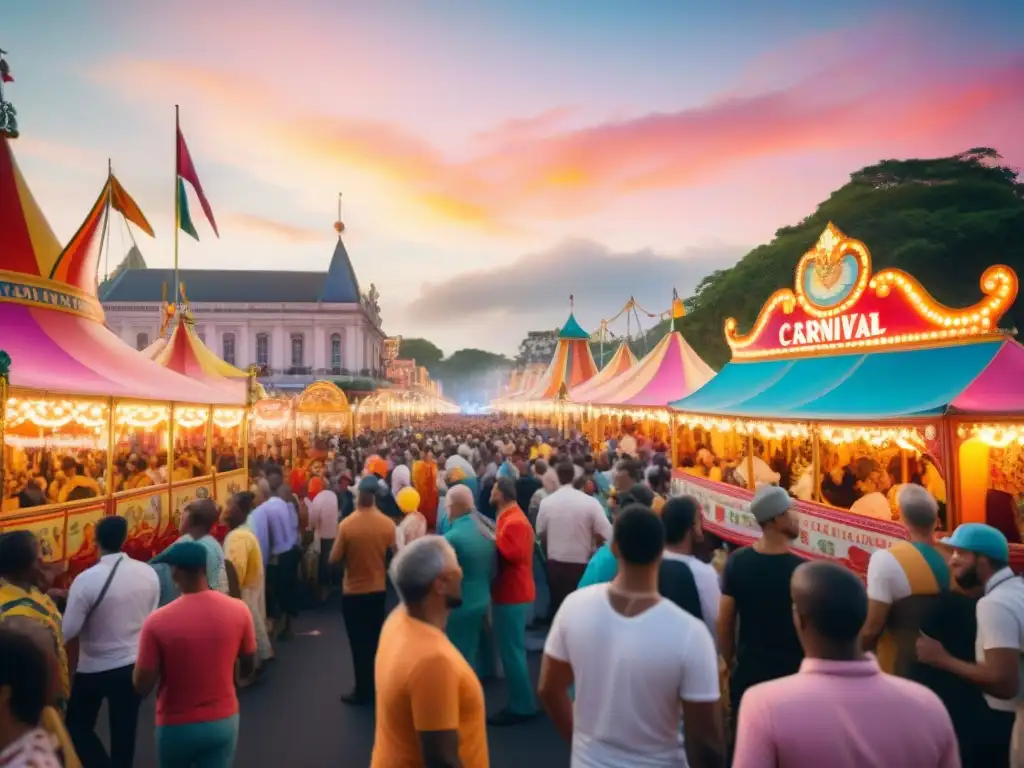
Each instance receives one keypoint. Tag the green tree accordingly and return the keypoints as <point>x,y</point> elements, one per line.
<point>473,374</point>
<point>424,352</point>
<point>943,220</point>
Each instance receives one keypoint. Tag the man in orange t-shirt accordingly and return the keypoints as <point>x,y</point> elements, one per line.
<point>430,705</point>
<point>362,544</point>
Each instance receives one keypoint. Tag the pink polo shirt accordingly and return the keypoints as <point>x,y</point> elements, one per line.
<point>843,714</point>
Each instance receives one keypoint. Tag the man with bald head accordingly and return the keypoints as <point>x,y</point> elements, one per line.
<point>430,704</point>
<point>839,709</point>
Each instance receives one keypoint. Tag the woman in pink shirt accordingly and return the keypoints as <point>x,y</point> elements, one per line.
<point>190,647</point>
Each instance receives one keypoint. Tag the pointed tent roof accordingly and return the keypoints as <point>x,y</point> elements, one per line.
<point>54,322</point>
<point>185,353</point>
<point>571,365</point>
<point>572,329</point>
<point>671,367</point>
<point>621,361</point>
<point>341,285</point>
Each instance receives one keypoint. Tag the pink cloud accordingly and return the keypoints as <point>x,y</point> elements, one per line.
<point>261,226</point>
<point>530,168</point>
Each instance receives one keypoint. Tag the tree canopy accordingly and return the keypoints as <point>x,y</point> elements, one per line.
<point>943,220</point>
<point>424,352</point>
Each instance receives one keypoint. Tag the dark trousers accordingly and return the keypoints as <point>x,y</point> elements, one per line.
<point>330,575</point>
<point>283,585</point>
<point>364,617</point>
<point>563,579</point>
<point>87,695</point>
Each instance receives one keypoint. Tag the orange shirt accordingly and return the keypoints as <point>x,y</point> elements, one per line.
<point>424,684</point>
<point>363,540</point>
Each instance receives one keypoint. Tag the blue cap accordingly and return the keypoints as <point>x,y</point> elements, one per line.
<point>980,539</point>
<point>369,484</point>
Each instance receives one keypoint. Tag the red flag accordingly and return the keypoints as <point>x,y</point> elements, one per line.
<point>187,171</point>
<point>6,78</point>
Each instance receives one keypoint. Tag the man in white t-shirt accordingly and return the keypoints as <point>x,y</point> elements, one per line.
<point>981,557</point>
<point>633,658</point>
<point>570,523</point>
<point>890,572</point>
<point>681,518</point>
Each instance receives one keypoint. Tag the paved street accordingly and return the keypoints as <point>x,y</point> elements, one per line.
<point>294,718</point>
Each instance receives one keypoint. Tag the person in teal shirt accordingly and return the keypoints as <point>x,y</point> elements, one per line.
<point>603,567</point>
<point>473,542</point>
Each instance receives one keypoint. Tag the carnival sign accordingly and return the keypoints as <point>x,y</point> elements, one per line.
<point>838,305</point>
<point>824,533</point>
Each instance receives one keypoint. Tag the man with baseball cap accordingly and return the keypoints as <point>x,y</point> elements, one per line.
<point>755,590</point>
<point>980,559</point>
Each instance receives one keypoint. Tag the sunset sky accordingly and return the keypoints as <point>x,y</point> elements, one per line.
<point>497,156</point>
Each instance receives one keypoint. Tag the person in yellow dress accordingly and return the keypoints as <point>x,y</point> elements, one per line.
<point>242,550</point>
<point>139,477</point>
<point>69,466</point>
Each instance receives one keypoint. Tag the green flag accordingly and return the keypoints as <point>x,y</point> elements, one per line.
<point>184,219</point>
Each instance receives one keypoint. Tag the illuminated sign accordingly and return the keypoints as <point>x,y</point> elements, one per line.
<point>838,305</point>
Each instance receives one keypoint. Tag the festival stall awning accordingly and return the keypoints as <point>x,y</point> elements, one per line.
<point>51,323</point>
<point>872,387</point>
<point>621,361</point>
<point>669,371</point>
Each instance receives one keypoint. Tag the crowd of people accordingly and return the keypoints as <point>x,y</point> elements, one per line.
<point>660,649</point>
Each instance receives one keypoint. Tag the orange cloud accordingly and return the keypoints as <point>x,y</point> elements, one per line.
<point>253,224</point>
<point>531,171</point>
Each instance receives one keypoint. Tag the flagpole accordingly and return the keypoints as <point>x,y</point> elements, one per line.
<point>177,202</point>
<point>104,240</point>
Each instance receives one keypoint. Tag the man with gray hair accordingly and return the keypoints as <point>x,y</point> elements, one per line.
<point>903,582</point>
<point>430,704</point>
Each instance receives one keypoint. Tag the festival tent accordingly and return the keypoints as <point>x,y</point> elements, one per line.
<point>51,322</point>
<point>185,353</point>
<point>155,348</point>
<point>571,365</point>
<point>982,377</point>
<point>621,361</point>
<point>668,372</point>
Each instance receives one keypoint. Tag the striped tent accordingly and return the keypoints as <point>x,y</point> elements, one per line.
<point>671,367</point>
<point>571,365</point>
<point>621,361</point>
<point>51,322</point>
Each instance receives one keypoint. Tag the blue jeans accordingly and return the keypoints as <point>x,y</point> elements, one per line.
<point>198,745</point>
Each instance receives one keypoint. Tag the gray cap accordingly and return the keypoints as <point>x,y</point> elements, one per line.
<point>769,502</point>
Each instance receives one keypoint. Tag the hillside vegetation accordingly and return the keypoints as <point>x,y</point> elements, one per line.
<point>943,220</point>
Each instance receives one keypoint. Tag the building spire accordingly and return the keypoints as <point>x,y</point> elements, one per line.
<point>339,225</point>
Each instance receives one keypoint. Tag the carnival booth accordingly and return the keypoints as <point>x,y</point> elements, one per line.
<point>846,387</point>
<point>621,361</point>
<point>87,424</point>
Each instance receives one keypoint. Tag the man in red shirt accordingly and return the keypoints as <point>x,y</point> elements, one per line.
<point>512,595</point>
<point>190,646</point>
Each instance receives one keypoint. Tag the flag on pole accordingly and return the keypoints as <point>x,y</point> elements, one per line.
<point>5,70</point>
<point>678,308</point>
<point>187,172</point>
<point>123,203</point>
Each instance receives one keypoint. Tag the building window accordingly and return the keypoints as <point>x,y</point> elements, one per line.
<point>229,348</point>
<point>262,350</point>
<point>336,353</point>
<point>141,341</point>
<point>297,350</point>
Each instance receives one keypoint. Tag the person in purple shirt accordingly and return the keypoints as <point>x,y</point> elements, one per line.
<point>840,710</point>
<point>258,520</point>
<point>283,567</point>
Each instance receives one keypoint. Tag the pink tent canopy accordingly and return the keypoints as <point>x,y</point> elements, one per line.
<point>51,323</point>
<point>668,372</point>
<point>997,389</point>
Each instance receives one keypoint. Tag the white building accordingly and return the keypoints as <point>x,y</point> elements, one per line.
<point>296,326</point>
